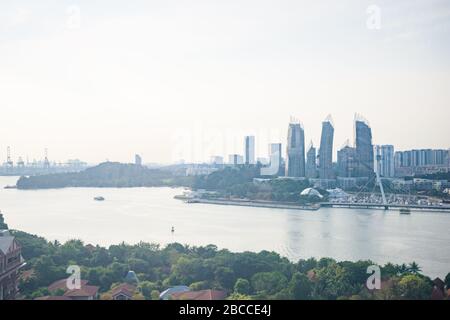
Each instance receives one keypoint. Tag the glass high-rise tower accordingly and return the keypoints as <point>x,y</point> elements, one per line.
<point>249,150</point>
<point>364,148</point>
<point>326,150</point>
<point>295,161</point>
<point>311,165</point>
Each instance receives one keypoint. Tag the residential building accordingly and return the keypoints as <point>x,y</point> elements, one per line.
<point>10,263</point>
<point>61,285</point>
<point>84,292</point>
<point>326,150</point>
<point>421,161</point>
<point>249,150</point>
<point>364,148</point>
<point>346,162</point>
<point>124,291</point>
<point>166,294</point>
<point>53,298</point>
<point>385,154</point>
<point>200,295</point>
<point>275,155</point>
<point>311,164</point>
<point>295,160</point>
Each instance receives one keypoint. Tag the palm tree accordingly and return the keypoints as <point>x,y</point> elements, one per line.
<point>414,268</point>
<point>402,269</point>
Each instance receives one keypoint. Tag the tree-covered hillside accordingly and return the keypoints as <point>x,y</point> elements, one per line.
<point>247,275</point>
<point>108,174</point>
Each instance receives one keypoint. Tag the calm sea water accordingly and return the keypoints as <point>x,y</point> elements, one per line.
<point>148,214</point>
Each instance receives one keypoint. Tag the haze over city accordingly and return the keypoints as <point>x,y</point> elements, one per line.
<point>203,75</point>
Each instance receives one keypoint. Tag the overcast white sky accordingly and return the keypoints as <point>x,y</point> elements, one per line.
<point>187,79</point>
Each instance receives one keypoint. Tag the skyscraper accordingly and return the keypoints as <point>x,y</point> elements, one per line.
<point>364,147</point>
<point>295,161</point>
<point>311,165</point>
<point>275,152</point>
<point>326,149</point>
<point>346,161</point>
<point>249,150</point>
<point>387,163</point>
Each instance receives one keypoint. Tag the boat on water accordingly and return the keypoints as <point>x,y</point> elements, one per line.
<point>405,211</point>
<point>99,198</point>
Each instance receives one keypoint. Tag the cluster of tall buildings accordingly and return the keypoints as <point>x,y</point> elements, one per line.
<point>358,161</point>
<point>422,161</point>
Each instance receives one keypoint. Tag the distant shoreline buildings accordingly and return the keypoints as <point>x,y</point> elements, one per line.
<point>355,164</point>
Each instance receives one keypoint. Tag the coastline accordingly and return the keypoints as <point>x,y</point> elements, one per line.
<point>249,203</point>
<point>316,207</point>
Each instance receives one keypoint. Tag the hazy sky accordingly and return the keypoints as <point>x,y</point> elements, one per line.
<point>174,79</point>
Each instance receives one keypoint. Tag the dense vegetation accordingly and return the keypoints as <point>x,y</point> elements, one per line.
<point>237,182</point>
<point>229,177</point>
<point>108,174</point>
<point>246,275</point>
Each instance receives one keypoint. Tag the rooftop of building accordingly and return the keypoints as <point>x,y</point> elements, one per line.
<point>52,298</point>
<point>124,288</point>
<point>173,290</point>
<point>200,295</point>
<point>6,241</point>
<point>84,291</point>
<point>62,285</point>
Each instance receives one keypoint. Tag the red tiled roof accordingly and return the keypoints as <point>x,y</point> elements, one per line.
<point>200,295</point>
<point>53,298</point>
<point>61,284</point>
<point>85,291</point>
<point>125,288</point>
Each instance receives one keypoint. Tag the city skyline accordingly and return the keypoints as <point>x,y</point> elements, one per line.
<point>99,84</point>
<point>253,145</point>
<point>224,150</point>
